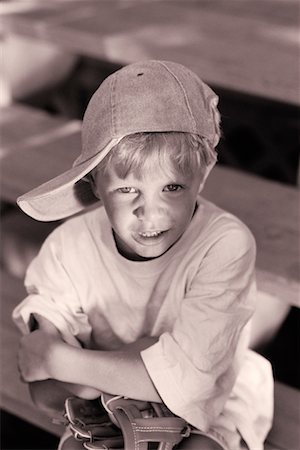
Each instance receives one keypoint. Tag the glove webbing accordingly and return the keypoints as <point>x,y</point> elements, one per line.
<point>124,424</point>
<point>138,431</point>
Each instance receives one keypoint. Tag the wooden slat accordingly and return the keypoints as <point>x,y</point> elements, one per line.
<point>32,145</point>
<point>252,47</point>
<point>14,396</point>
<point>28,167</point>
<point>270,209</point>
<point>16,400</point>
<point>285,433</point>
<point>19,124</point>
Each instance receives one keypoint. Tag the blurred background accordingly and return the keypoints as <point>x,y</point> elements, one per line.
<point>55,54</point>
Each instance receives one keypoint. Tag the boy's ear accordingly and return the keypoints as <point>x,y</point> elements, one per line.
<point>207,172</point>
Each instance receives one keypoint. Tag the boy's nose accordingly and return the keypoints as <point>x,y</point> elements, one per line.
<point>149,212</point>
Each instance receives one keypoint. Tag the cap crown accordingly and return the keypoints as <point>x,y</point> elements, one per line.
<point>149,96</point>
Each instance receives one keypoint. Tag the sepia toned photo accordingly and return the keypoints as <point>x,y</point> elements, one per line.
<point>150,224</point>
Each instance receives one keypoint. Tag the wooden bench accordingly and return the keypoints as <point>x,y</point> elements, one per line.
<point>251,198</point>
<point>15,398</point>
<point>51,144</point>
<point>32,138</point>
<point>204,36</point>
<point>247,46</point>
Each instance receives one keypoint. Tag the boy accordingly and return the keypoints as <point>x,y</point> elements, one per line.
<point>150,295</point>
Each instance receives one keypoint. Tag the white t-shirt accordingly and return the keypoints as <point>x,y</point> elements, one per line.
<point>198,297</point>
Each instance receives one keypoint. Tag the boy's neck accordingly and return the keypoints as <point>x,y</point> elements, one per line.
<point>134,256</point>
<point>129,256</point>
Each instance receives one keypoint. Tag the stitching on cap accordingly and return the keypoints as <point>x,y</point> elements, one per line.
<point>184,93</point>
<point>113,105</point>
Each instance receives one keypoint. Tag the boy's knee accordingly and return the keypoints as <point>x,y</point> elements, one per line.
<point>194,442</point>
<point>71,444</point>
<point>198,442</point>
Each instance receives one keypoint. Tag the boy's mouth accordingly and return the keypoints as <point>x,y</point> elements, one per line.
<point>150,234</point>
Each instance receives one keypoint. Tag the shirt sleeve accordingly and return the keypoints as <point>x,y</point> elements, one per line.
<point>52,294</point>
<point>194,366</point>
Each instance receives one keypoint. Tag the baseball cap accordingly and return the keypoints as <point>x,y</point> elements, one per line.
<point>147,96</point>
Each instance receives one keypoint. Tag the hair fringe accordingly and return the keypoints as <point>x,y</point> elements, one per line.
<point>186,152</point>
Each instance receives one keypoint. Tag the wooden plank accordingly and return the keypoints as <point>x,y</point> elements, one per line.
<point>33,143</point>
<point>21,124</point>
<point>28,167</point>
<point>14,396</point>
<point>252,48</point>
<point>285,433</point>
<point>268,446</point>
<point>270,209</point>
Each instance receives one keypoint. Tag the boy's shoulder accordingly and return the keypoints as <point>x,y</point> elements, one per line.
<point>214,223</point>
<point>81,225</point>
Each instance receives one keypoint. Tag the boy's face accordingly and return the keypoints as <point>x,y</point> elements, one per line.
<point>150,213</point>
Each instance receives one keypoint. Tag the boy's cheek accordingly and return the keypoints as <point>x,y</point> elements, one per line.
<point>119,221</point>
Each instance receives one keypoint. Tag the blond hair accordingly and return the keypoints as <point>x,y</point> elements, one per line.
<point>184,153</point>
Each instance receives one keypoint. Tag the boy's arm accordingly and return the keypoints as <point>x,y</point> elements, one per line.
<point>120,372</point>
<point>49,395</point>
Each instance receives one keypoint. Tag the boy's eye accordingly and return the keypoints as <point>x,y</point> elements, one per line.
<point>173,187</point>
<point>126,190</point>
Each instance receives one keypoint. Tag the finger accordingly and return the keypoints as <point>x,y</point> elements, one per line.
<point>21,365</point>
<point>22,379</point>
<point>21,373</point>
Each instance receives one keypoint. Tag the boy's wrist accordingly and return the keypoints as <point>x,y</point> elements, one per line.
<point>64,362</point>
<point>57,360</point>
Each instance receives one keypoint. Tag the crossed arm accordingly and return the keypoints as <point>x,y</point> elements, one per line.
<point>56,370</point>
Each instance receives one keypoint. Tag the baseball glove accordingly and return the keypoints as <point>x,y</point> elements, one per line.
<point>116,422</point>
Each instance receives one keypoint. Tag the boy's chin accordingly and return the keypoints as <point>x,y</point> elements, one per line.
<point>143,250</point>
<point>143,254</point>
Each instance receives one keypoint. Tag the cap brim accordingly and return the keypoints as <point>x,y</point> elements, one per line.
<point>64,195</point>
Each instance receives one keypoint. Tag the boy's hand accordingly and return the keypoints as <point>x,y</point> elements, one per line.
<point>35,354</point>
